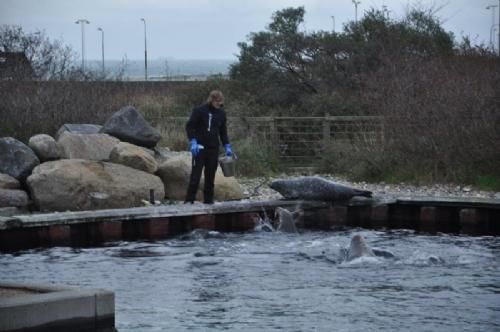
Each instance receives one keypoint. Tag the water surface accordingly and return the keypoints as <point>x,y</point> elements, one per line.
<point>283,282</point>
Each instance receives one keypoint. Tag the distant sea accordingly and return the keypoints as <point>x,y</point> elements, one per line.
<point>164,69</point>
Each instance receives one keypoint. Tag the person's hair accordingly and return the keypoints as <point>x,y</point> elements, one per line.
<point>214,95</point>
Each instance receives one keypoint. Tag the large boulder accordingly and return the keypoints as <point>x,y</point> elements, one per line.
<point>175,172</point>
<point>45,147</point>
<point>8,182</point>
<point>161,153</point>
<point>16,158</point>
<point>75,184</point>
<point>13,197</point>
<point>78,128</point>
<point>226,188</point>
<point>130,126</point>
<point>87,146</point>
<point>133,156</point>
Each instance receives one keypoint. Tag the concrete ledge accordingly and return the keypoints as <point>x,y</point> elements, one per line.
<point>56,308</point>
<point>85,228</point>
<point>141,213</point>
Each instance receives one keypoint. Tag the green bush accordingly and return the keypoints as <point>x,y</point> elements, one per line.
<point>356,160</point>
<point>488,181</point>
<point>254,158</point>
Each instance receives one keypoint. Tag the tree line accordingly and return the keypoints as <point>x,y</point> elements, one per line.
<point>439,97</point>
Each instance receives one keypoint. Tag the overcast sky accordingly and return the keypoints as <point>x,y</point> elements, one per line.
<point>207,29</point>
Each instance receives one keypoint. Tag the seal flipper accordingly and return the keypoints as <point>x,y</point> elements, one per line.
<point>364,193</point>
<point>383,253</point>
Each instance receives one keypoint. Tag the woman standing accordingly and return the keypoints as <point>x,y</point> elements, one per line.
<point>205,126</point>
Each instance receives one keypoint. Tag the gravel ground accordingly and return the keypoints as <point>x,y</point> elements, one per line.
<point>257,188</point>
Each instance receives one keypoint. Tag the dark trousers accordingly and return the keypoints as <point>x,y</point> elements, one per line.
<point>208,159</point>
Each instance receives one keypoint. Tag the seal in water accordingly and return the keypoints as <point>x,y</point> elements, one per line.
<point>316,188</point>
<point>287,219</point>
<point>359,248</point>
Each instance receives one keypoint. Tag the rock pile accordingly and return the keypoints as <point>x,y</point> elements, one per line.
<point>88,167</point>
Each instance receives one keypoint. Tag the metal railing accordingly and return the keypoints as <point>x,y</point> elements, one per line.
<point>297,141</point>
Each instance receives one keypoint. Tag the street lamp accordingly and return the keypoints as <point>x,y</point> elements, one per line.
<point>492,28</point>
<point>385,11</point>
<point>356,3</point>
<point>145,52</point>
<point>333,19</point>
<point>102,47</point>
<point>82,22</point>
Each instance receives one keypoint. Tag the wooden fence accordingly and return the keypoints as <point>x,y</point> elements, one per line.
<point>298,141</point>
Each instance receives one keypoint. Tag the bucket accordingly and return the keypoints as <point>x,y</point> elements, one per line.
<point>227,164</point>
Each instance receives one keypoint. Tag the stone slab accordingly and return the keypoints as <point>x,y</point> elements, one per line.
<point>55,307</point>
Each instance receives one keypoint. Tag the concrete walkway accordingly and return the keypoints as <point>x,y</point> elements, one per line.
<point>35,307</point>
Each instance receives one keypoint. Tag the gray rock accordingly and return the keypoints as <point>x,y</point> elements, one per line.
<point>16,158</point>
<point>133,156</point>
<point>76,128</point>
<point>87,146</point>
<point>161,153</point>
<point>73,184</point>
<point>175,173</point>
<point>13,197</point>
<point>8,182</point>
<point>45,147</point>
<point>130,126</point>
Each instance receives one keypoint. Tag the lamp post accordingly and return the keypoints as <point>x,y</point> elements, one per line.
<point>145,52</point>
<point>333,19</point>
<point>82,23</point>
<point>356,3</point>
<point>492,28</point>
<point>385,11</point>
<point>102,47</point>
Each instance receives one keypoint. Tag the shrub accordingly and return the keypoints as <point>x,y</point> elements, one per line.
<point>255,158</point>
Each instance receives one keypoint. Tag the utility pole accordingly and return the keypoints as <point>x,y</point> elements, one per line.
<point>145,52</point>
<point>82,22</point>
<point>102,48</point>
<point>356,3</point>
<point>333,19</point>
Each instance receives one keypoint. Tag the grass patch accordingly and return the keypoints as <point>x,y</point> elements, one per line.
<point>488,182</point>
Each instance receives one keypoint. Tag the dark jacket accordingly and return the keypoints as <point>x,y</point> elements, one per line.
<point>207,124</point>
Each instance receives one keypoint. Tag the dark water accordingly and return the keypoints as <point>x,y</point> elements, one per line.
<point>282,282</point>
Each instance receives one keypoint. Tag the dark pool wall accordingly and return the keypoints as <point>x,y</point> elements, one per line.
<point>448,217</point>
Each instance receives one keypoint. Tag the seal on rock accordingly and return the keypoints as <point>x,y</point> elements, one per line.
<point>315,188</point>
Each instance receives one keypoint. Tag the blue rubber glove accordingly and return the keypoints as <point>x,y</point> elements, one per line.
<point>227,148</point>
<point>194,147</point>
